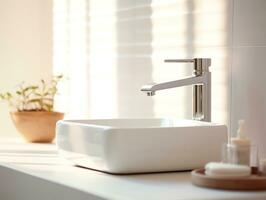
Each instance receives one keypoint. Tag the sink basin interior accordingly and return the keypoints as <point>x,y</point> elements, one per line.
<point>140,123</point>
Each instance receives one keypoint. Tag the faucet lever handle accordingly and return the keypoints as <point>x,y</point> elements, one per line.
<point>180,60</point>
<point>200,64</point>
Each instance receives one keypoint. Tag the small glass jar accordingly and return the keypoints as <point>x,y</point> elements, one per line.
<point>240,155</point>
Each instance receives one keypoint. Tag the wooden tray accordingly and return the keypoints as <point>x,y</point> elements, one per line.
<point>252,182</point>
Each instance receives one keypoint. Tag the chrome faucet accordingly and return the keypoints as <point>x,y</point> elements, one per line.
<point>201,82</point>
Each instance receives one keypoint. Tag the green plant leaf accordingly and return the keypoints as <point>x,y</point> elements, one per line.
<point>46,93</point>
<point>34,87</point>
<point>37,94</point>
<point>58,77</point>
<point>48,107</point>
<point>35,101</point>
<point>26,89</point>
<point>48,99</point>
<point>18,92</point>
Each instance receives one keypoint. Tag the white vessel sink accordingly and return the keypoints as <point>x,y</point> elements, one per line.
<point>124,146</point>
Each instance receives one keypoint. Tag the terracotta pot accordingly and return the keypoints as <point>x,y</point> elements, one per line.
<point>36,126</point>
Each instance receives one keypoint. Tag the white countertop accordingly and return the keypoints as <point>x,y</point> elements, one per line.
<point>34,171</point>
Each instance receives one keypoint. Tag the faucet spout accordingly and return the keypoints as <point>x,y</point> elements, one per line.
<point>151,88</point>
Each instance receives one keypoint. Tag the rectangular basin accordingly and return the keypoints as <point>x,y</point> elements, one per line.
<point>123,146</point>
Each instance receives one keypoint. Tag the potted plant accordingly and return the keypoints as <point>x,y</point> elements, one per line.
<point>33,110</point>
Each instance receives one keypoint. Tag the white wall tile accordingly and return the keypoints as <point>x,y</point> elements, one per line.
<point>249,23</point>
<point>249,93</point>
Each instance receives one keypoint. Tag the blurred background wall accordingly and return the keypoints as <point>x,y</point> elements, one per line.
<point>25,48</point>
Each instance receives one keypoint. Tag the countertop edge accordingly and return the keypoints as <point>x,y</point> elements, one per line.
<point>21,185</point>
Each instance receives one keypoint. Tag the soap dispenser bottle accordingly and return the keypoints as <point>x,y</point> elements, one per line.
<point>241,145</point>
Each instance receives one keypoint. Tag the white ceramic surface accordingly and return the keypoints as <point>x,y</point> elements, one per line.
<point>140,145</point>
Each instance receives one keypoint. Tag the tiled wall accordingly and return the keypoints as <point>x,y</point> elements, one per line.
<point>248,95</point>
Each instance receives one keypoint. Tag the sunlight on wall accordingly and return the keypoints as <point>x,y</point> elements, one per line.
<point>212,28</point>
<point>84,52</point>
<point>102,58</point>
<point>70,56</point>
<point>104,48</point>
<point>169,33</point>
